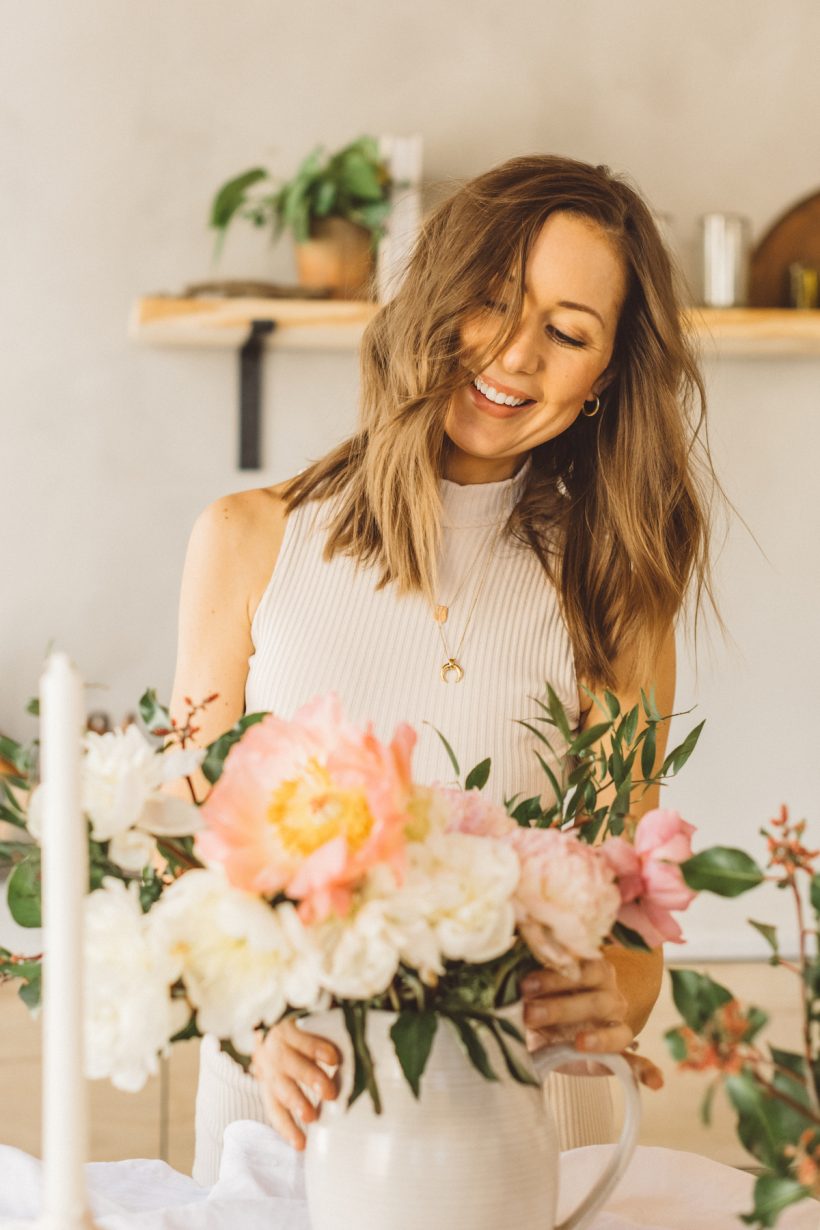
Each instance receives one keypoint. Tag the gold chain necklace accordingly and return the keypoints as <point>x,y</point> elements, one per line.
<point>440,611</point>
<point>452,666</point>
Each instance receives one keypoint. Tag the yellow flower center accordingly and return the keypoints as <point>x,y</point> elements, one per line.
<point>311,810</point>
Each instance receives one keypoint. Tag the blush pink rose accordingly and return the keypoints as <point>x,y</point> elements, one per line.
<point>649,876</point>
<point>308,807</point>
<point>566,901</point>
<point>471,812</point>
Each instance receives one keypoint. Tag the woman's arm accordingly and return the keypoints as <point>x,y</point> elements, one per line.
<point>231,554</point>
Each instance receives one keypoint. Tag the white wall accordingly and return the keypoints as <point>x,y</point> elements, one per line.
<point>119,121</point>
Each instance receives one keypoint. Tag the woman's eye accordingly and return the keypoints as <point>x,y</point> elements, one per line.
<point>563,339</point>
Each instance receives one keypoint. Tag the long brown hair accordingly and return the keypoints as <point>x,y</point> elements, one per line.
<point>616,507</point>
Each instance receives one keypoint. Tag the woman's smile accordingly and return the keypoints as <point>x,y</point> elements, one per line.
<point>497,409</point>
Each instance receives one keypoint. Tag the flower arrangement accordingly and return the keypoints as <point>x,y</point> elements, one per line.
<point>316,872</point>
<point>774,1092</point>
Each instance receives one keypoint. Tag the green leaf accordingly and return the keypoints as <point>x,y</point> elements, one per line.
<point>755,1126</point>
<point>325,198</point>
<point>613,705</point>
<point>676,1044</point>
<point>231,197</point>
<point>518,1069</point>
<point>648,752</point>
<point>413,1035</point>
<point>676,759</point>
<point>697,996</point>
<point>588,737</point>
<point>649,706</point>
<point>473,1046</point>
<point>630,725</point>
<point>757,1018</point>
<point>527,811</point>
<point>191,1030</point>
<point>24,891</point>
<point>628,938</point>
<point>814,893</point>
<point>772,1194</point>
<point>706,1104</point>
<point>217,751</point>
<point>364,1074</point>
<point>768,932</point>
<point>32,990</point>
<point>477,777</point>
<point>790,1060</point>
<point>539,734</point>
<point>558,789</point>
<point>722,870</point>
<point>33,706</point>
<point>447,749</point>
<point>15,753</point>
<point>558,713</point>
<point>154,715</point>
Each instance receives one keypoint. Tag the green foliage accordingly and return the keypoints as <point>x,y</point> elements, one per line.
<point>364,1074</point>
<point>722,870</point>
<point>24,890</point>
<point>413,1035</point>
<point>697,996</point>
<point>353,183</point>
<point>772,1194</point>
<point>217,752</point>
<point>155,716</point>
<point>28,971</point>
<point>477,778</point>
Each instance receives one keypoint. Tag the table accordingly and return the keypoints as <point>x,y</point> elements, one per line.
<point>260,1187</point>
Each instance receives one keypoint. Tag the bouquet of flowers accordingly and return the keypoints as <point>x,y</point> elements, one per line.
<point>317,873</point>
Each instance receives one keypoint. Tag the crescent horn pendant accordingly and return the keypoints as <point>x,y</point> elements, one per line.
<point>452,667</point>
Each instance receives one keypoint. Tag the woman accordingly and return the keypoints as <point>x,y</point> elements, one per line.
<point>517,506</point>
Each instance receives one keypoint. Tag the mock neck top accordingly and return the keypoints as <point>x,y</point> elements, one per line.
<point>323,626</point>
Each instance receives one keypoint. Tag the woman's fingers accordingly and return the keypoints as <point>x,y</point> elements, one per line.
<point>284,1060</point>
<point>614,1036</point>
<point>582,1006</point>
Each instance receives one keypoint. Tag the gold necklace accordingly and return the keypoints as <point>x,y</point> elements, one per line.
<point>452,666</point>
<point>440,611</point>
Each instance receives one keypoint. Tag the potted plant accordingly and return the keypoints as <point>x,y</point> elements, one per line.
<point>335,206</point>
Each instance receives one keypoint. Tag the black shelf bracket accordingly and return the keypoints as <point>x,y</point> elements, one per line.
<point>250,393</point>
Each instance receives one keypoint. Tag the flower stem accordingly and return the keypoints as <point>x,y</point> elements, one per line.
<point>811,1089</point>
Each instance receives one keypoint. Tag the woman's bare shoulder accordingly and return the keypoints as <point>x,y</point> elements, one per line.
<point>241,535</point>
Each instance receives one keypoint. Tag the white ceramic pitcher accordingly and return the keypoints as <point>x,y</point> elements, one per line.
<point>470,1154</point>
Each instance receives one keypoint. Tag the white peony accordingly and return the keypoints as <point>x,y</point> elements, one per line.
<point>454,902</point>
<point>122,775</point>
<point>242,961</point>
<point>129,1015</point>
<point>360,956</point>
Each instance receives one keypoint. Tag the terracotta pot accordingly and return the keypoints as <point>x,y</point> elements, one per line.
<point>468,1152</point>
<point>337,256</point>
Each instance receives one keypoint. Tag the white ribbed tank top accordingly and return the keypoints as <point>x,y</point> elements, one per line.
<point>323,626</point>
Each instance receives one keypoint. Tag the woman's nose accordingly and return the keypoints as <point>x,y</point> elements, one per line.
<point>522,353</point>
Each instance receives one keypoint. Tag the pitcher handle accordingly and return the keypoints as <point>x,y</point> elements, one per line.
<point>550,1057</point>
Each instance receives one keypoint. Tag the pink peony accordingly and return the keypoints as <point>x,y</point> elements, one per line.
<point>649,876</point>
<point>308,807</point>
<point>471,812</point>
<point>566,901</point>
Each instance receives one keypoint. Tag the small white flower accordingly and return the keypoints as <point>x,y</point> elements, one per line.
<point>242,961</point>
<point>359,955</point>
<point>129,1015</point>
<point>132,850</point>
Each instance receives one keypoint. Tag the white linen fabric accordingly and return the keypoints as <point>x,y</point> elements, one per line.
<point>324,626</point>
<point>260,1187</point>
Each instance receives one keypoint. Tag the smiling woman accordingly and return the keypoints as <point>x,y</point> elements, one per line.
<point>520,500</point>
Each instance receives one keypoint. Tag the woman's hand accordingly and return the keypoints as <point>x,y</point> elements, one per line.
<point>589,1013</point>
<point>287,1057</point>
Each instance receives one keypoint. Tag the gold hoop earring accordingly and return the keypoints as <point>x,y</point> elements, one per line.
<point>590,414</point>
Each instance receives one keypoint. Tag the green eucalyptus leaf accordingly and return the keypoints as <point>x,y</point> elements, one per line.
<point>24,891</point>
<point>697,996</point>
<point>558,713</point>
<point>630,725</point>
<point>558,789</point>
<point>477,777</point>
<point>519,1069</point>
<point>648,752</point>
<point>613,705</point>
<point>676,759</point>
<point>723,870</point>
<point>413,1034</point>
<point>676,1044</point>
<point>649,706</point>
<point>527,811</point>
<point>587,737</point>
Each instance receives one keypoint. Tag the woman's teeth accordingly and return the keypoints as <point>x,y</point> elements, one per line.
<point>499,398</point>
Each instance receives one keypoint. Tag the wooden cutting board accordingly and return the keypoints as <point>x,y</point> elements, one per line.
<point>794,237</point>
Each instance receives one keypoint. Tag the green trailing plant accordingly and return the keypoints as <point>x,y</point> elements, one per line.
<point>353,183</point>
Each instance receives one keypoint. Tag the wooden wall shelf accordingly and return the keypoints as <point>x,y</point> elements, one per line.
<point>310,324</point>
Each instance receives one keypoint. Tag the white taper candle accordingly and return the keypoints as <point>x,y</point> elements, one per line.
<point>65,883</point>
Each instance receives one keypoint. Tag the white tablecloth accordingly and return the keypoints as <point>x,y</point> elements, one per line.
<point>260,1187</point>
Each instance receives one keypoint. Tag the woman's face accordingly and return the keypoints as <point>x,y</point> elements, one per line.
<point>574,288</point>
